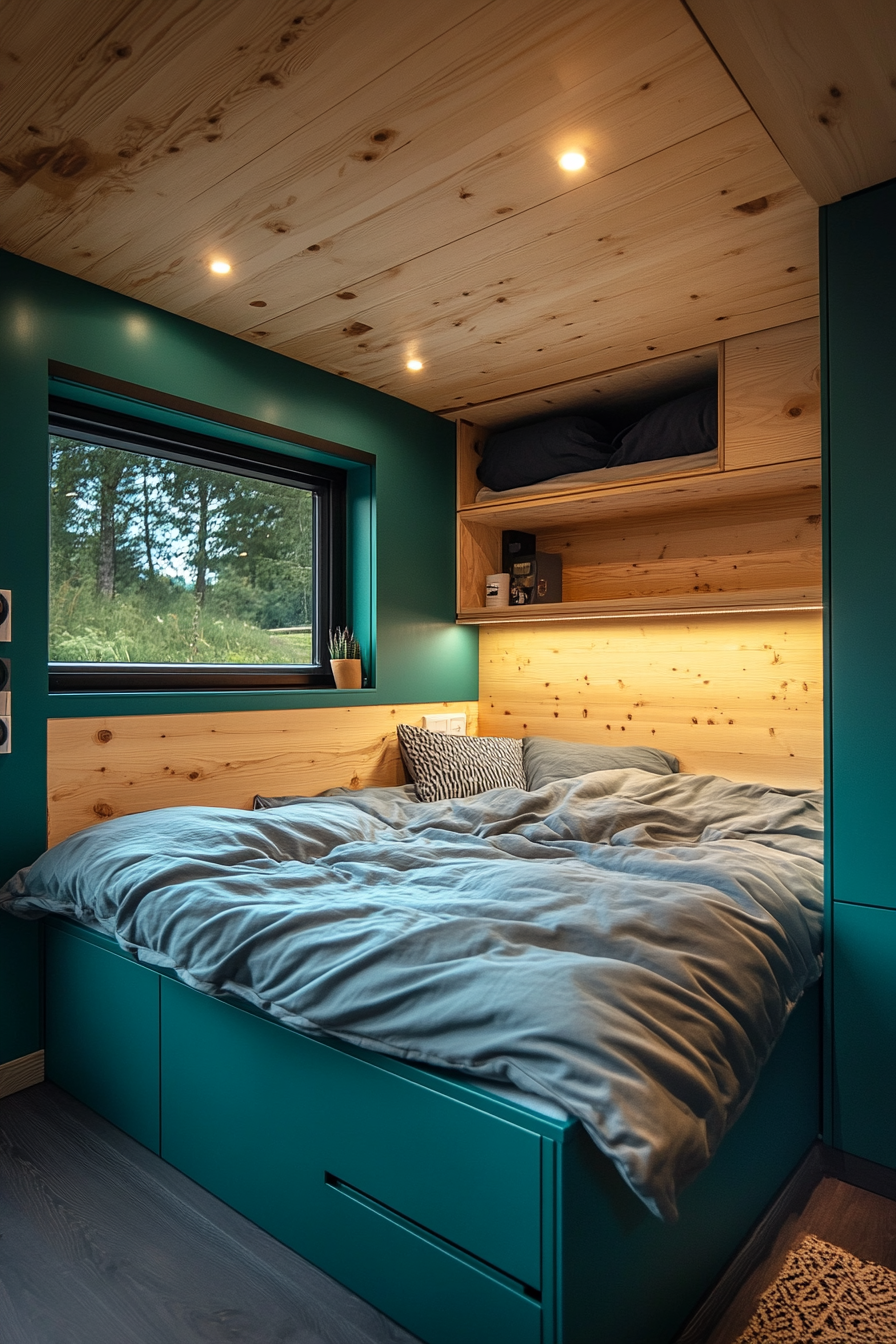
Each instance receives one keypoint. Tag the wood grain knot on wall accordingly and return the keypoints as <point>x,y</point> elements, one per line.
<point>737,696</point>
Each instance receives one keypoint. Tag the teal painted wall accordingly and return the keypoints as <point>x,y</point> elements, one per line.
<point>421,655</point>
<point>859,333</point>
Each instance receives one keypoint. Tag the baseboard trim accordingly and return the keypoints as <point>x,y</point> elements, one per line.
<point>859,1171</point>
<point>20,1073</point>
<point>792,1196</point>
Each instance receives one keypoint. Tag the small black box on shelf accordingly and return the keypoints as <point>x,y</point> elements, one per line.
<point>513,545</point>
<point>536,578</point>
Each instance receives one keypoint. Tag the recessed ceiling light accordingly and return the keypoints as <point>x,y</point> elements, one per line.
<point>415,365</point>
<point>572,161</point>
<point>220,267</point>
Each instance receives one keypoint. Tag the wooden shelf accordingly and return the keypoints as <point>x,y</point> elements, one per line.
<point>740,535</point>
<point>806,598</point>
<point>659,494</point>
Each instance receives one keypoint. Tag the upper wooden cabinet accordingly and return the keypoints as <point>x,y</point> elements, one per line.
<point>740,532</point>
<point>772,397</point>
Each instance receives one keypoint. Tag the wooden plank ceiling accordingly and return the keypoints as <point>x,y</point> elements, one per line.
<point>822,76</point>
<point>383,180</point>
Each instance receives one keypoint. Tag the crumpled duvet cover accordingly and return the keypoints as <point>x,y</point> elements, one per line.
<point>626,944</point>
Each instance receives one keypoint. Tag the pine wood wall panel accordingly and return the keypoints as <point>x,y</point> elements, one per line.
<point>820,74</point>
<point>389,186</point>
<point>478,555</point>
<point>773,396</point>
<point>734,696</point>
<point>768,544</point>
<point>100,768</point>
<point>470,440</point>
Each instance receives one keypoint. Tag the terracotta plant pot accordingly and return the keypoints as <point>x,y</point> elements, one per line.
<point>346,673</point>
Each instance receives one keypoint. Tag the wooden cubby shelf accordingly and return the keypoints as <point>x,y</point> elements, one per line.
<point>807,598</point>
<point>740,535</point>
<point>663,494</point>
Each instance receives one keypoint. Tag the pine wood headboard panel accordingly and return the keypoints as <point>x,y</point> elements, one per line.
<point>99,768</point>
<point>739,696</point>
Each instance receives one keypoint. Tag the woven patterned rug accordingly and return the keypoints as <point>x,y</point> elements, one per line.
<point>824,1295</point>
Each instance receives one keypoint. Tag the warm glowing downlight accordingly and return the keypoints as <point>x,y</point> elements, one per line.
<point>415,365</point>
<point>572,161</point>
<point>220,267</point>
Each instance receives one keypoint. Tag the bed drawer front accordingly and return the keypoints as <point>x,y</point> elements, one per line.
<point>265,1117</point>
<point>440,1296</point>
<point>471,1178</point>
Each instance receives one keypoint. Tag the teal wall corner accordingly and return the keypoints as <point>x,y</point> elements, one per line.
<point>20,1006</point>
<point>858,303</point>
<point>419,653</point>
<point>859,286</point>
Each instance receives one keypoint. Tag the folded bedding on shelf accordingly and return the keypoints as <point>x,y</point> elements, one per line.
<point>571,450</point>
<point>627,945</point>
<point>682,427</point>
<point>526,454</point>
<point>603,476</point>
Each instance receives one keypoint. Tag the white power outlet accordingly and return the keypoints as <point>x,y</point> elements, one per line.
<point>5,615</point>
<point>454,724</point>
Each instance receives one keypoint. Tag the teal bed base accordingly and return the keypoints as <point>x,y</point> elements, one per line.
<point>463,1216</point>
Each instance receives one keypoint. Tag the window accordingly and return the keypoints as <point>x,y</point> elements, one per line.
<point>181,559</point>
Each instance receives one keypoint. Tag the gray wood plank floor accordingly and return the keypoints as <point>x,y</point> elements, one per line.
<point>101,1242</point>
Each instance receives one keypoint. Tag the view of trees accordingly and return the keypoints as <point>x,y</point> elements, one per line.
<point>155,561</point>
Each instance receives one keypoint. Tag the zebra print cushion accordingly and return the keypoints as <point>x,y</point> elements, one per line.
<point>443,766</point>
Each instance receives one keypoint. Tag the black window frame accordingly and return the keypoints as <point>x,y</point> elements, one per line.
<point>94,424</point>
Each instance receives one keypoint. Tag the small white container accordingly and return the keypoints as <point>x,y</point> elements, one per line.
<point>497,590</point>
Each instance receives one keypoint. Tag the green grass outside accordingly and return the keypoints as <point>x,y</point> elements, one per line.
<point>87,628</point>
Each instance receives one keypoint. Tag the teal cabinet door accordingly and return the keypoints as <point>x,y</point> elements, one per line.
<point>102,1038</point>
<point>235,1100</point>
<point>864,1102</point>
<point>425,1206</point>
<point>859,302</point>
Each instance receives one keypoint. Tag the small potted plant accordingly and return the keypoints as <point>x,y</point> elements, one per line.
<point>345,659</point>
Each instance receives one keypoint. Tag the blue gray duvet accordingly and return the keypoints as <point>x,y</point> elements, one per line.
<point>629,945</point>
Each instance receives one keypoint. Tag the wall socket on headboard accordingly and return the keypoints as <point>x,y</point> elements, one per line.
<point>455,724</point>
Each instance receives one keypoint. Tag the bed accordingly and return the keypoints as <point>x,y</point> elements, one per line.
<point>470,1056</point>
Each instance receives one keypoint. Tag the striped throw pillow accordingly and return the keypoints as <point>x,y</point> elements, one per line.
<point>444,766</point>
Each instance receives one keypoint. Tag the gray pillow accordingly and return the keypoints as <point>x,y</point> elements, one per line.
<point>444,766</point>
<point>259,802</point>
<point>545,760</point>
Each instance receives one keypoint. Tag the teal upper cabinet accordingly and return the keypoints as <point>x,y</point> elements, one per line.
<point>858,238</point>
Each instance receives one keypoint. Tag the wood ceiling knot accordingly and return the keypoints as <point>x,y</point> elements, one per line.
<point>755,207</point>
